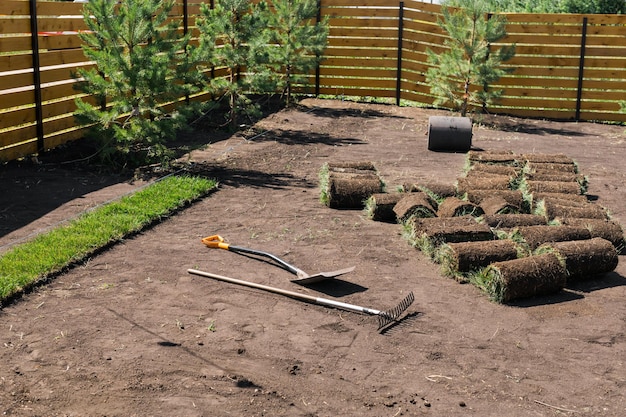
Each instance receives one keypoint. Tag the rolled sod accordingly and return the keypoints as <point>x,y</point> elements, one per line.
<point>560,198</point>
<point>584,259</point>
<point>551,167</point>
<point>498,205</point>
<point>511,221</point>
<point>481,167</point>
<point>494,157</point>
<point>547,158</point>
<point>606,229</point>
<point>535,236</point>
<point>555,176</point>
<point>463,257</point>
<point>414,205</point>
<point>465,185</point>
<point>379,206</point>
<point>514,197</point>
<point>351,190</point>
<point>449,229</point>
<point>455,207</point>
<point>435,190</point>
<point>564,187</point>
<point>589,211</point>
<point>351,165</point>
<point>524,277</point>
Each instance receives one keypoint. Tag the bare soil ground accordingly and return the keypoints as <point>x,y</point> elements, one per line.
<point>131,333</point>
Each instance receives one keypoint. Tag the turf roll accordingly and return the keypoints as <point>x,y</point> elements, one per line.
<point>351,165</point>
<point>551,167</point>
<point>500,182</point>
<point>512,221</point>
<point>542,158</point>
<point>521,278</point>
<point>606,229</point>
<point>436,190</point>
<point>455,207</point>
<point>565,187</point>
<point>589,211</point>
<point>498,205</point>
<point>441,230</point>
<point>493,157</point>
<point>514,197</point>
<point>584,259</point>
<point>351,190</point>
<point>379,206</point>
<point>535,236</point>
<point>485,168</point>
<point>413,205</point>
<point>459,258</point>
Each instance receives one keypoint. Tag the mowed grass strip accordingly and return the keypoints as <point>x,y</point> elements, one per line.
<point>50,252</point>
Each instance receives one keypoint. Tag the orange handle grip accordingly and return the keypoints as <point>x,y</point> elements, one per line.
<point>215,241</point>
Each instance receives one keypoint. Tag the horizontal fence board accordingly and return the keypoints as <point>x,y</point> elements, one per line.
<point>17,151</point>
<point>370,12</point>
<point>358,82</point>
<point>361,42</point>
<point>363,23</point>
<point>12,44</point>
<point>360,62</point>
<point>358,92</point>
<point>372,53</point>
<point>358,72</point>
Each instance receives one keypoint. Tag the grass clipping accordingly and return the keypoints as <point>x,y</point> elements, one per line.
<point>51,252</point>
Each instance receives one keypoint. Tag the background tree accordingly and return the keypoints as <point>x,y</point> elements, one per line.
<point>232,37</point>
<point>140,66</point>
<point>298,41</point>
<point>460,75</point>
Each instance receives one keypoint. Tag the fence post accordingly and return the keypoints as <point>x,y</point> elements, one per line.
<point>399,68</point>
<point>317,66</point>
<point>581,69</point>
<point>36,74</point>
<point>185,17</point>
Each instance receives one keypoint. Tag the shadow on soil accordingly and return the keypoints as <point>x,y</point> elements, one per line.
<point>575,291</point>
<point>235,177</point>
<point>30,190</point>
<point>342,113</point>
<point>295,137</point>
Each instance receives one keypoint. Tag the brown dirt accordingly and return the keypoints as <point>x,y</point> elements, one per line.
<point>129,332</point>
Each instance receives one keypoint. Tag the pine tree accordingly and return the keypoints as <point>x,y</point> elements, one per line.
<point>298,41</point>
<point>232,37</point>
<point>141,65</point>
<point>460,76</point>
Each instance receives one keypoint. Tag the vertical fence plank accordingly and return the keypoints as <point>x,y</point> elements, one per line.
<point>34,35</point>
<point>400,36</point>
<point>581,68</point>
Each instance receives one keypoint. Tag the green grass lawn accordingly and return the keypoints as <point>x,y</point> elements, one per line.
<point>49,253</point>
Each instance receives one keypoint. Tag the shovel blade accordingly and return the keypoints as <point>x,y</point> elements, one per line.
<point>310,279</point>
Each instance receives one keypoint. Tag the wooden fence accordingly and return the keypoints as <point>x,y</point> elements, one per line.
<point>568,67</point>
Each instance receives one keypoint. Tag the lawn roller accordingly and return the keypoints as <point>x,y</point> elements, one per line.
<point>216,241</point>
<point>384,317</point>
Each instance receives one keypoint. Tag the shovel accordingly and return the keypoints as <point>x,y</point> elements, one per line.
<point>217,241</point>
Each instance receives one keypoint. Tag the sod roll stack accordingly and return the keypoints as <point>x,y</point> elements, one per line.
<point>348,185</point>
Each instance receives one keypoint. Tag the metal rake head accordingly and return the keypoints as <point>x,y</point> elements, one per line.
<point>391,315</point>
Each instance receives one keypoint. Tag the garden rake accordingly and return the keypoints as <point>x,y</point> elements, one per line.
<point>384,317</point>
<point>216,241</point>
